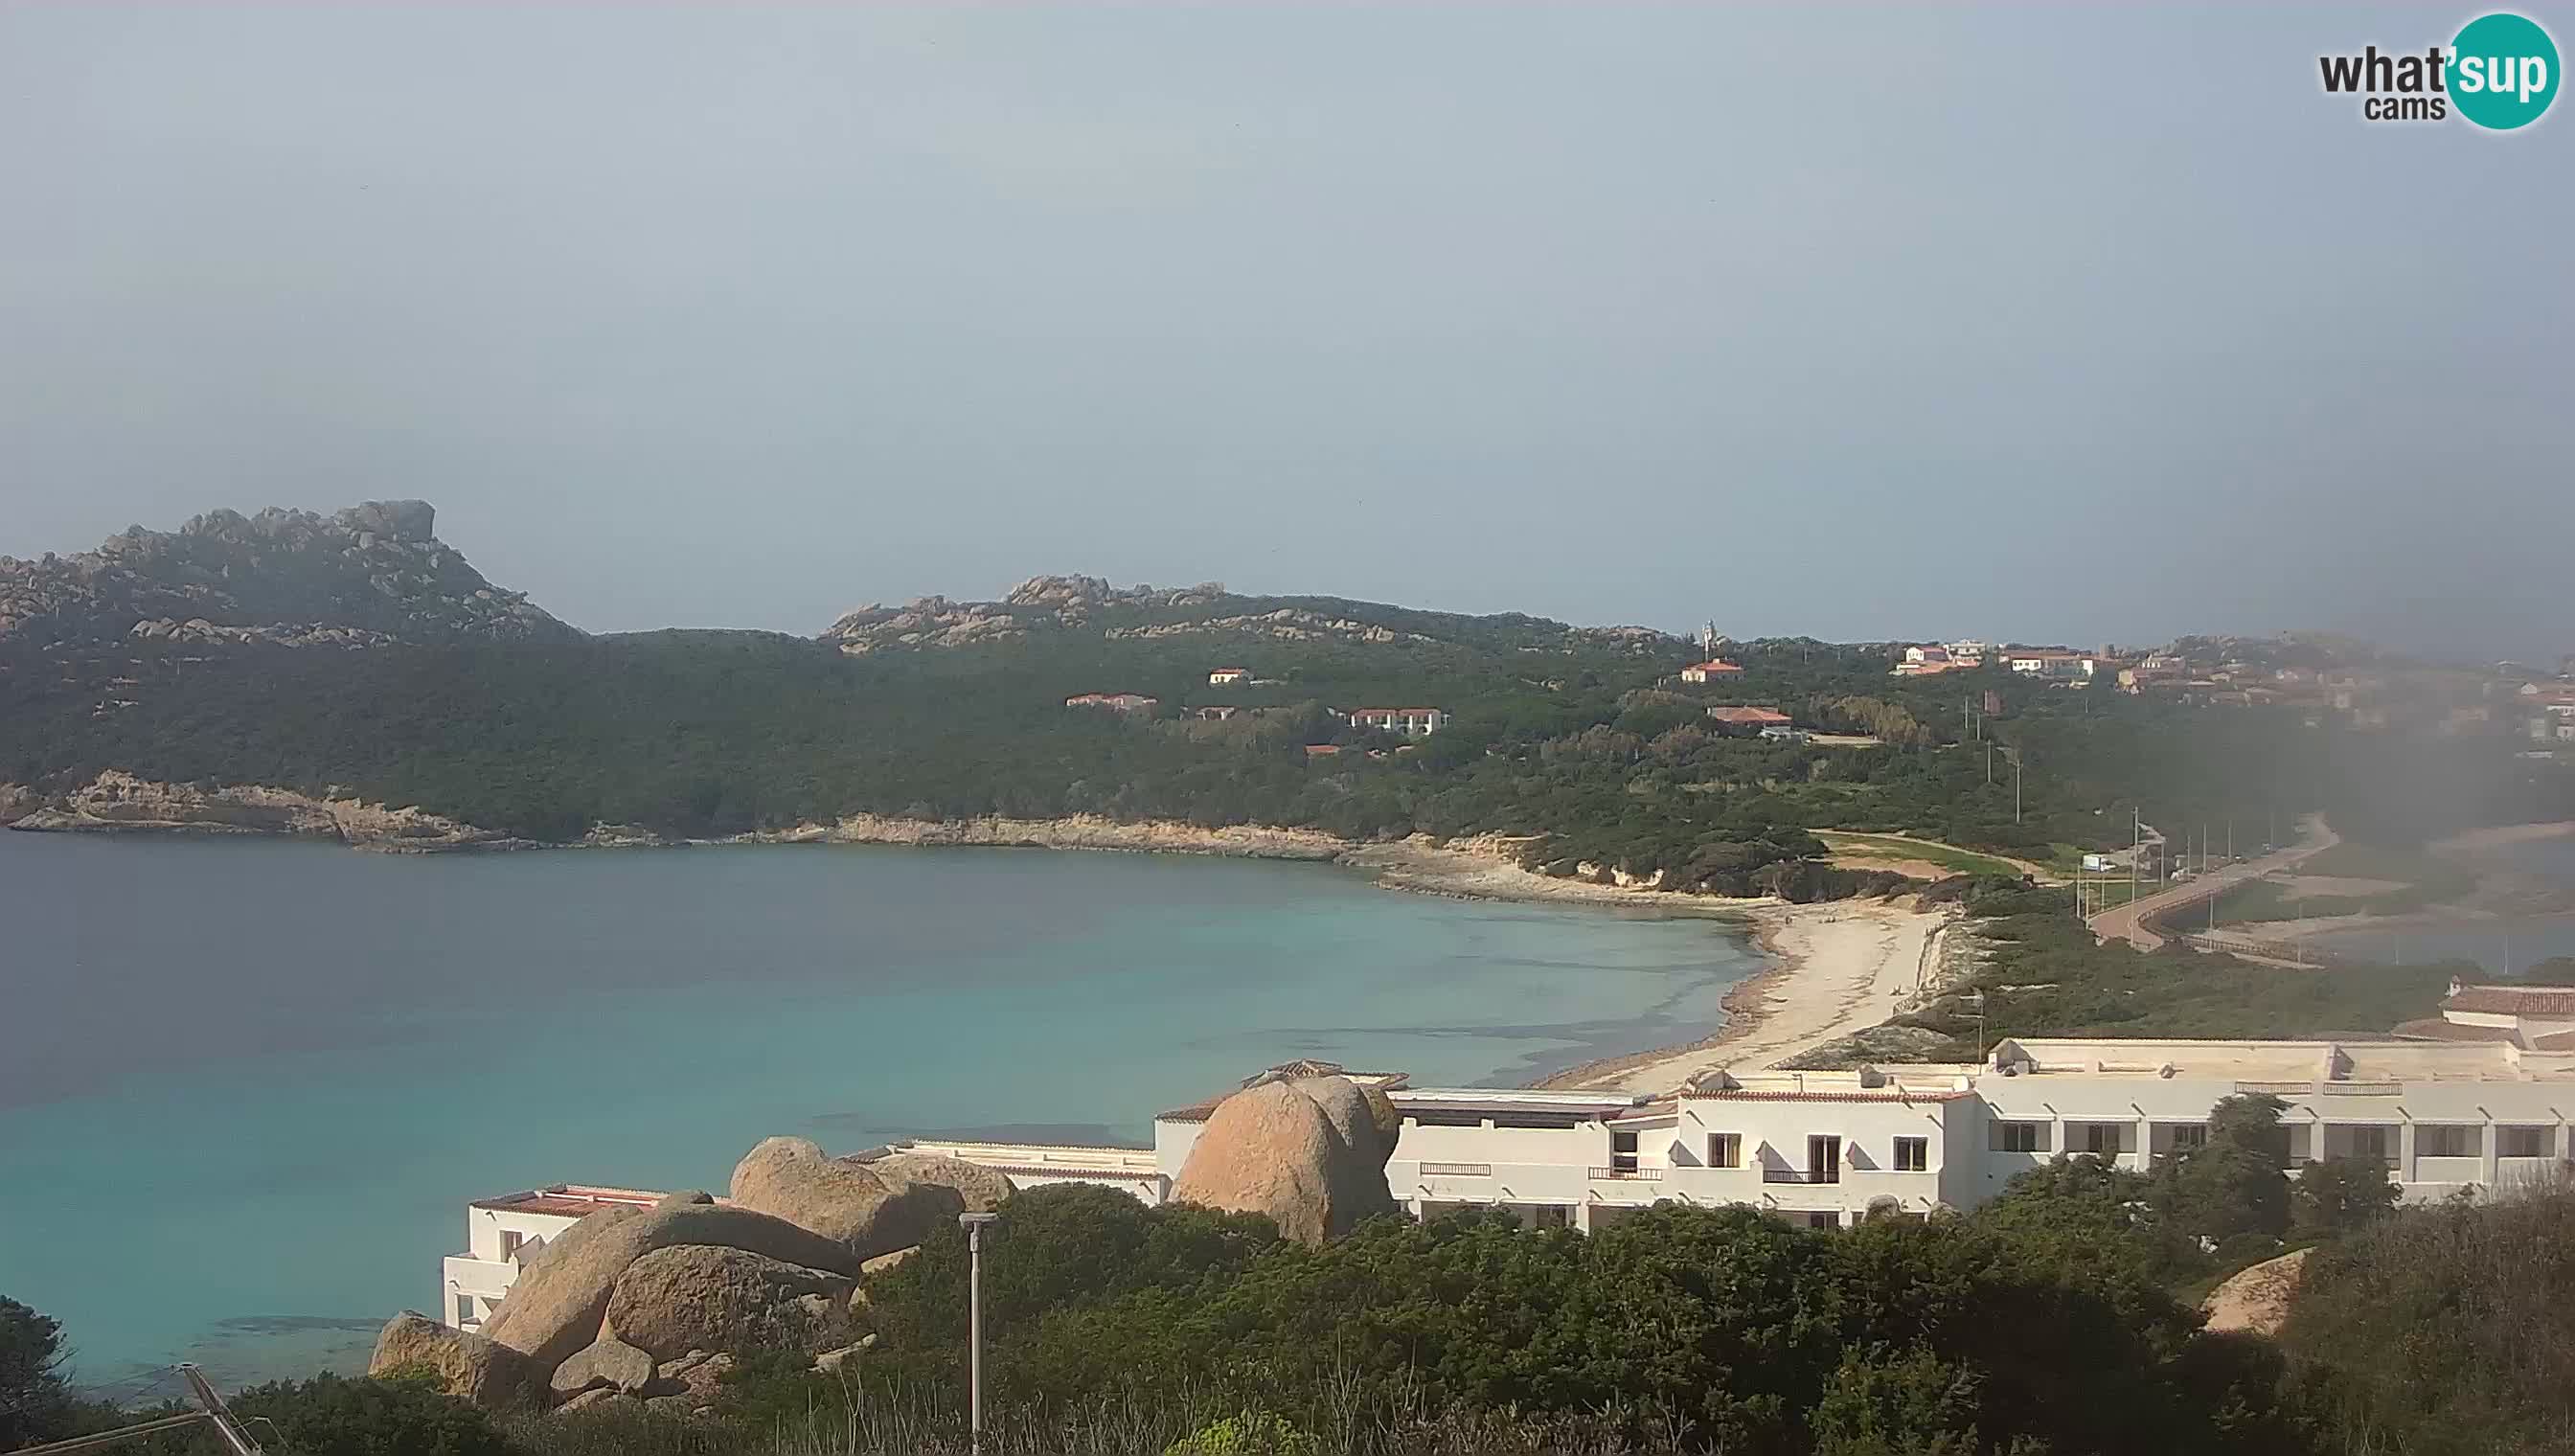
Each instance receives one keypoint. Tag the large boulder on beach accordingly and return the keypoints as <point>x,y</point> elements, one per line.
<point>2256,1299</point>
<point>1309,1152</point>
<point>703,1297</point>
<point>981,1188</point>
<point>466,1365</point>
<point>561,1297</point>
<point>794,1179</point>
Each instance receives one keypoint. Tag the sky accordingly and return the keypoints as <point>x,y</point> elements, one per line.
<point>2081,324</point>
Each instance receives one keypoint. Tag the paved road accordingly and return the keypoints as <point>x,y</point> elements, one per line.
<point>2125,921</point>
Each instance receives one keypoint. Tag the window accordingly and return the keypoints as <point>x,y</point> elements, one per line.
<point>464,1310</point>
<point>1622,1153</point>
<point>1725,1149</point>
<point>1912,1155</point>
<point>2522,1142</point>
<point>2434,1140</point>
<point>2020,1137</point>
<point>1823,1221</point>
<point>2105,1139</point>
<point>1554,1216</point>
<point>2190,1137</point>
<point>509,1244</point>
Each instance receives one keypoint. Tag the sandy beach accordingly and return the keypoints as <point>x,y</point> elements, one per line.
<point>1840,966</point>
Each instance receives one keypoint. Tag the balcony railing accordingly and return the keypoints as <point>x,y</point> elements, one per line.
<point>1456,1170</point>
<point>1642,1176</point>
<point>1801,1175</point>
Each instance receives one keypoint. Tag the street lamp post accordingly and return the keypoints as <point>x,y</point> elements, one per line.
<point>974,1226</point>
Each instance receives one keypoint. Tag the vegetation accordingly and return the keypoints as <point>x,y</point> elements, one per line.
<point>1582,744</point>
<point>2055,1319</point>
<point>2046,976</point>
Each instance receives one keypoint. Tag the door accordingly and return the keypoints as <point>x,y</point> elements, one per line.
<point>1622,1153</point>
<point>1823,1160</point>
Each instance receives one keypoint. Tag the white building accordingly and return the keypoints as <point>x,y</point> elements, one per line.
<point>502,1233</point>
<point>1229,676</point>
<point>1825,1148</point>
<point>1412,722</point>
<point>2052,665</point>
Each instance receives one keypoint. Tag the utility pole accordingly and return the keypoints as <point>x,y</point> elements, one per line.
<point>974,1224</point>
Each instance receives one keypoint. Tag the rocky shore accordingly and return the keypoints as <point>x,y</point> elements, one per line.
<point>120,803</point>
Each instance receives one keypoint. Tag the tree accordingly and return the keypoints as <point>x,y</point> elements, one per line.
<point>35,1402</point>
<point>1887,1405</point>
<point>2341,1195</point>
<point>2232,1184</point>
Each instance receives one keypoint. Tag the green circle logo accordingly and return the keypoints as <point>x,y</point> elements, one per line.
<point>2503,71</point>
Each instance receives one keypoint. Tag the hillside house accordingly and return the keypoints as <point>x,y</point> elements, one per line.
<point>1115,701</point>
<point>1412,722</point>
<point>1763,719</point>
<point>2534,1018</point>
<point>2050,664</point>
<point>1229,676</point>
<point>1714,669</point>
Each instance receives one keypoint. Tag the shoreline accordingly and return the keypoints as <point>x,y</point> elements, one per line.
<point>1834,966</point>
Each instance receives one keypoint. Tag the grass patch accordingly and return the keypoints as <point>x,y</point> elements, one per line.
<point>1948,857</point>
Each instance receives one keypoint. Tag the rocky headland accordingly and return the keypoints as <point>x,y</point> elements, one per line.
<point>367,576</point>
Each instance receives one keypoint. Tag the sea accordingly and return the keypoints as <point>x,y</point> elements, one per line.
<point>247,1086</point>
<point>2500,946</point>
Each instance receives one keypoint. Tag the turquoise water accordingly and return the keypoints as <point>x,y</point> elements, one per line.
<point>247,1086</point>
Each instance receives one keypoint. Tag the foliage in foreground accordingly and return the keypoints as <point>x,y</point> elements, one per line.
<point>2041,1326</point>
<point>2445,1332</point>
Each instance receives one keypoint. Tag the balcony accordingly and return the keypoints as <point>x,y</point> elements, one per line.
<point>1627,1174</point>
<point>1801,1175</point>
<point>1456,1170</point>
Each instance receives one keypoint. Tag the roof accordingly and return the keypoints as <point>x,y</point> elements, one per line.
<point>1051,1159</point>
<point>1712,665</point>
<point>568,1200</point>
<point>2341,1062</point>
<point>1355,711</point>
<point>1749,716</point>
<point>1889,1093</point>
<point>2512,1000</point>
<point>2434,1028</point>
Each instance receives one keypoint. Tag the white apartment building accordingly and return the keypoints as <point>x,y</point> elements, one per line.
<point>1411,722</point>
<point>1831,1147</point>
<point>502,1233</point>
<point>1821,1148</point>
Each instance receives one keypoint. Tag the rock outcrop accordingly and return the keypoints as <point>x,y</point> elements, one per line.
<point>119,800</point>
<point>2256,1299</point>
<point>467,1366</point>
<point>651,1307</point>
<point>1309,1152</point>
<point>702,1297</point>
<point>560,1300</point>
<point>979,1189</point>
<point>369,575</point>
<point>793,1179</point>
<point>605,1363</point>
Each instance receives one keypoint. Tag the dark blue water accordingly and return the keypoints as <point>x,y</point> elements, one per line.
<point>247,1086</point>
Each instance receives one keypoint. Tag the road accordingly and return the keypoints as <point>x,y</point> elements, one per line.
<point>2126,922</point>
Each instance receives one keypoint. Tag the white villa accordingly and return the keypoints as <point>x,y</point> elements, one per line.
<point>1825,1148</point>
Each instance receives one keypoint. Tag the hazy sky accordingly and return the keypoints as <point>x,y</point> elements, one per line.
<point>2043,324</point>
